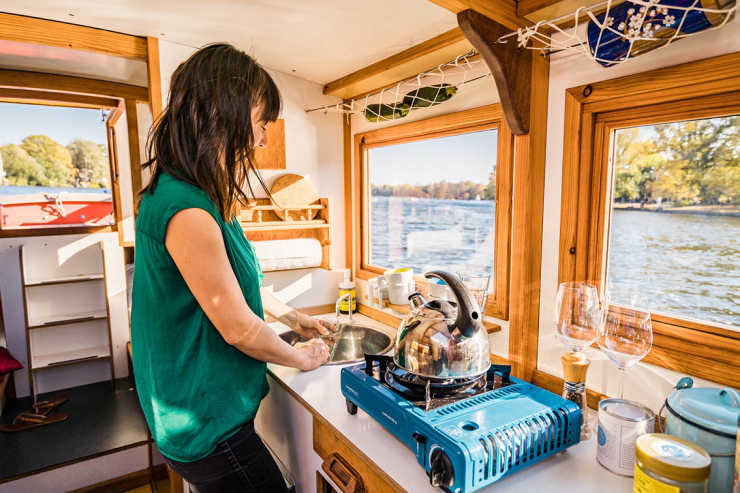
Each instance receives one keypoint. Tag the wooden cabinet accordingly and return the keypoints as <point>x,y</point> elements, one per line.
<point>346,466</point>
<point>272,156</point>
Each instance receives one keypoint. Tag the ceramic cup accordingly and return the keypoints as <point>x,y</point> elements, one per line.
<point>398,294</point>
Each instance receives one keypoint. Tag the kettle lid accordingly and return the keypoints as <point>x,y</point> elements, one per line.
<point>714,409</point>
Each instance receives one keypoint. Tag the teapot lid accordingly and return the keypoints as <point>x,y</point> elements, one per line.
<point>716,410</point>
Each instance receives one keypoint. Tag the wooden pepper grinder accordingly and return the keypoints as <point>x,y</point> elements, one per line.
<point>575,367</point>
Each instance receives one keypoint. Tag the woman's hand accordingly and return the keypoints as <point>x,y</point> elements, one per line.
<point>313,354</point>
<point>310,327</point>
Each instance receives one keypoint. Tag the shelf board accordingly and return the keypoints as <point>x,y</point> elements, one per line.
<point>45,361</point>
<point>65,319</point>
<point>283,225</point>
<point>64,280</point>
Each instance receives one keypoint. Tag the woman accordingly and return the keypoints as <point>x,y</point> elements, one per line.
<point>199,340</point>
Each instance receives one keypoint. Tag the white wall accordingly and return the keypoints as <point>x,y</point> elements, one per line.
<point>645,383</point>
<point>61,249</point>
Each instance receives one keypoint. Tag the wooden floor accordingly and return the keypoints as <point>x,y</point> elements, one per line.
<point>163,486</point>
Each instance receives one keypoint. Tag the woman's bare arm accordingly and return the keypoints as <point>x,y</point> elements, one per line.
<point>194,241</point>
<point>304,324</point>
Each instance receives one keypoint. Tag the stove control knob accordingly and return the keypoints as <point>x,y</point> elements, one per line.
<point>419,437</point>
<point>441,473</point>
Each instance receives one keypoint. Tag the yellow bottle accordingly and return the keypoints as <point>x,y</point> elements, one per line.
<point>345,287</point>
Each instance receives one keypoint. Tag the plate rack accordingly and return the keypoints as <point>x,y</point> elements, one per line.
<point>260,223</point>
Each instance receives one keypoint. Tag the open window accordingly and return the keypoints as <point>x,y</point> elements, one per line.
<point>56,169</point>
<point>651,199</point>
<point>436,194</point>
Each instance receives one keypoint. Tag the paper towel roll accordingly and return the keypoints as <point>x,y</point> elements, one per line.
<point>300,253</point>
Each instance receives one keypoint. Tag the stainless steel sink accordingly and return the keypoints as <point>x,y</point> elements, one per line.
<point>354,342</point>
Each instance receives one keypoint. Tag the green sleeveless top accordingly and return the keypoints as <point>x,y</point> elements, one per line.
<point>195,389</point>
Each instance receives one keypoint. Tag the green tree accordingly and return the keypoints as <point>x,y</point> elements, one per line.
<point>53,157</point>
<point>489,192</point>
<point>90,161</point>
<point>20,168</point>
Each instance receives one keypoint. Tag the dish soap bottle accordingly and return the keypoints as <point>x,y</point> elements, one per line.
<point>347,287</point>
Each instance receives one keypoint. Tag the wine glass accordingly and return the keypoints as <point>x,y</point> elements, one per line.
<point>579,314</point>
<point>626,338</point>
<point>478,284</point>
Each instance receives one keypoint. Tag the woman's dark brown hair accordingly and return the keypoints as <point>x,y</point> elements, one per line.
<point>204,136</point>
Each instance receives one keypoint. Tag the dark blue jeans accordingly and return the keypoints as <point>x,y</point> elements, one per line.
<point>241,464</point>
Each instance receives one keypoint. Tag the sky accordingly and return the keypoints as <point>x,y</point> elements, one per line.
<point>457,158</point>
<point>62,124</point>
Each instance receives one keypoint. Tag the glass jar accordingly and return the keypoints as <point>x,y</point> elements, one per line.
<point>665,463</point>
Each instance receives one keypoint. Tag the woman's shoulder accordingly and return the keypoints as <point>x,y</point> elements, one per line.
<point>164,199</point>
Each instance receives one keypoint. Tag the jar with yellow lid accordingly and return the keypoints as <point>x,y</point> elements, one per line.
<point>667,464</point>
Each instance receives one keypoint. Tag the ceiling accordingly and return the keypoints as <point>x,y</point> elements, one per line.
<point>318,40</point>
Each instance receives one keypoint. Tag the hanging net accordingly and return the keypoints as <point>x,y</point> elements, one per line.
<point>424,90</point>
<point>611,32</point>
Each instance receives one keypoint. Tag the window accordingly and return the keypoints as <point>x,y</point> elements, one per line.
<point>675,219</point>
<point>650,199</point>
<point>436,195</point>
<point>55,171</point>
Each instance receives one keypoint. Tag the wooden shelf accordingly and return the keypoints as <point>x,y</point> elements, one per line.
<point>66,319</point>
<point>44,361</point>
<point>284,225</point>
<point>64,280</point>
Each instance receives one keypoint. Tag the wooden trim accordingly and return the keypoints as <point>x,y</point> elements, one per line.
<point>686,91</point>
<point>348,217</point>
<point>154,76</point>
<point>61,34</point>
<point>501,11</point>
<point>419,58</point>
<point>23,79</point>
<point>55,98</point>
<point>527,218</point>
<point>476,119</point>
<point>127,482</point>
<point>133,149</point>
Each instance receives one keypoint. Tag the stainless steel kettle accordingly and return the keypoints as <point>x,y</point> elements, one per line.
<point>443,339</point>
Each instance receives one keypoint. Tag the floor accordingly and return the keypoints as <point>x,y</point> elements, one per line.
<point>163,486</point>
<point>102,418</point>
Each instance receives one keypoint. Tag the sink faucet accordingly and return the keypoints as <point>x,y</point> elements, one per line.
<point>348,296</point>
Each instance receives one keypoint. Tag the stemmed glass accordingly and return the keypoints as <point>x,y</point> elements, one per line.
<point>579,315</point>
<point>626,338</point>
<point>478,284</point>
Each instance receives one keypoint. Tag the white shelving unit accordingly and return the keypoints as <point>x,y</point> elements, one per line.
<point>67,311</point>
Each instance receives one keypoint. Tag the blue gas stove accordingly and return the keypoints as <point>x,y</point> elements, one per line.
<point>466,433</point>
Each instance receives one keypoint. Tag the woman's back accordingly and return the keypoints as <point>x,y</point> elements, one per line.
<point>195,389</point>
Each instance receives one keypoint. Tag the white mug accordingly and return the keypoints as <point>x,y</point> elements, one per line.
<point>400,276</point>
<point>398,294</point>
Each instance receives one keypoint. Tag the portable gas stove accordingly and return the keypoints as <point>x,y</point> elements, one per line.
<point>466,433</point>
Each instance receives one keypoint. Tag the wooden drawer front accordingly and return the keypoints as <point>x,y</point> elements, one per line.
<point>328,441</point>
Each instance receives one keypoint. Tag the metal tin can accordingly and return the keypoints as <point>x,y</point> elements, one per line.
<point>620,423</point>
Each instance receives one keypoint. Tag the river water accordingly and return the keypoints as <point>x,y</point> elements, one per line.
<point>679,264</point>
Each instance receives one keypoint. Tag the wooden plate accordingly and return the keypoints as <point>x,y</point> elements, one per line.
<point>293,192</point>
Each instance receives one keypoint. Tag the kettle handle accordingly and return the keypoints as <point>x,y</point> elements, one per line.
<point>468,313</point>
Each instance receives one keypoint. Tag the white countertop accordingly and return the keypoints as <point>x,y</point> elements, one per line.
<point>574,470</point>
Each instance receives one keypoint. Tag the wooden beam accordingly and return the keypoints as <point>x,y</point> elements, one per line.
<point>542,10</point>
<point>510,65</point>
<point>66,83</point>
<point>53,33</point>
<point>154,76</point>
<point>501,11</point>
<point>526,240</point>
<point>419,58</point>
<point>133,148</point>
<point>53,98</point>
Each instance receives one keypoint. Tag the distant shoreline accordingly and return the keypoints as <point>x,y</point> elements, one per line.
<point>699,210</point>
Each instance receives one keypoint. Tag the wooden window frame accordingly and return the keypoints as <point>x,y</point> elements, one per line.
<point>701,89</point>
<point>477,119</point>
<point>17,86</point>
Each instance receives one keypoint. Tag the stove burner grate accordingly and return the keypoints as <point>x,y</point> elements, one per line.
<point>430,393</point>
